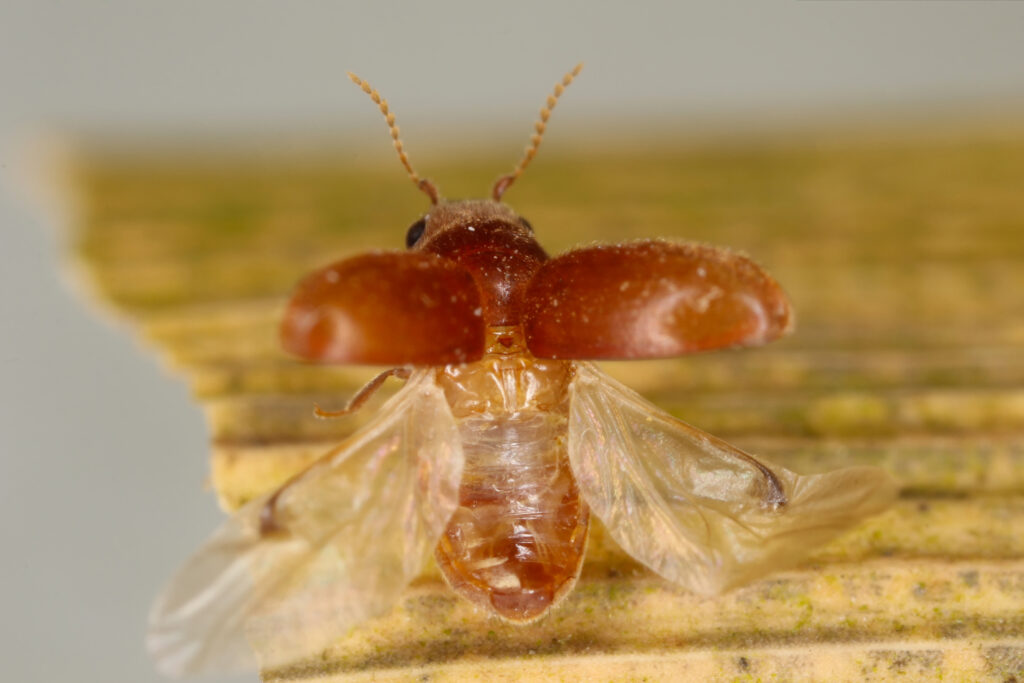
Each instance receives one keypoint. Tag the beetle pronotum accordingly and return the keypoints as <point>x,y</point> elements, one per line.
<point>504,440</point>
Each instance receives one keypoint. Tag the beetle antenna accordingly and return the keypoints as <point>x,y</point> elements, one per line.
<point>505,181</point>
<point>421,183</point>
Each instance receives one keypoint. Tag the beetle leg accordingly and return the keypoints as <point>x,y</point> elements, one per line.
<point>269,523</point>
<point>363,395</point>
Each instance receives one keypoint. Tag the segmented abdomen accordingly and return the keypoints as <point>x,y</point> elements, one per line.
<point>516,543</point>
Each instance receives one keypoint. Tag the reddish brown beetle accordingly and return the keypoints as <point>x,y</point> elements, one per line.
<point>504,439</point>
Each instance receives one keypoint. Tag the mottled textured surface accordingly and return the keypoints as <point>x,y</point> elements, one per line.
<point>904,261</point>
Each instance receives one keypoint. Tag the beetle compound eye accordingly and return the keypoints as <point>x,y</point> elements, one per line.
<point>526,224</point>
<point>415,232</point>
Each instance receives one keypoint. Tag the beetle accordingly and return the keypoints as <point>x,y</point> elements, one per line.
<point>505,440</point>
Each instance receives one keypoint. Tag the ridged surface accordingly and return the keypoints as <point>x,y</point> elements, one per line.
<point>905,265</point>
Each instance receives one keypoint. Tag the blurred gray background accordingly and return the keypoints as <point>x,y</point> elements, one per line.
<point>102,454</point>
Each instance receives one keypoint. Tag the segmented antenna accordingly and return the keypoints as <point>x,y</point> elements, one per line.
<point>421,183</point>
<point>504,182</point>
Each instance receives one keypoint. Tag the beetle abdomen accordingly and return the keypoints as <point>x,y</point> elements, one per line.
<point>515,544</point>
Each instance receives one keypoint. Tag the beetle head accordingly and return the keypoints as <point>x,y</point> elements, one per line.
<point>471,223</point>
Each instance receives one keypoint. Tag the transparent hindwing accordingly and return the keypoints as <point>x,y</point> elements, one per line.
<point>293,571</point>
<point>694,509</point>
